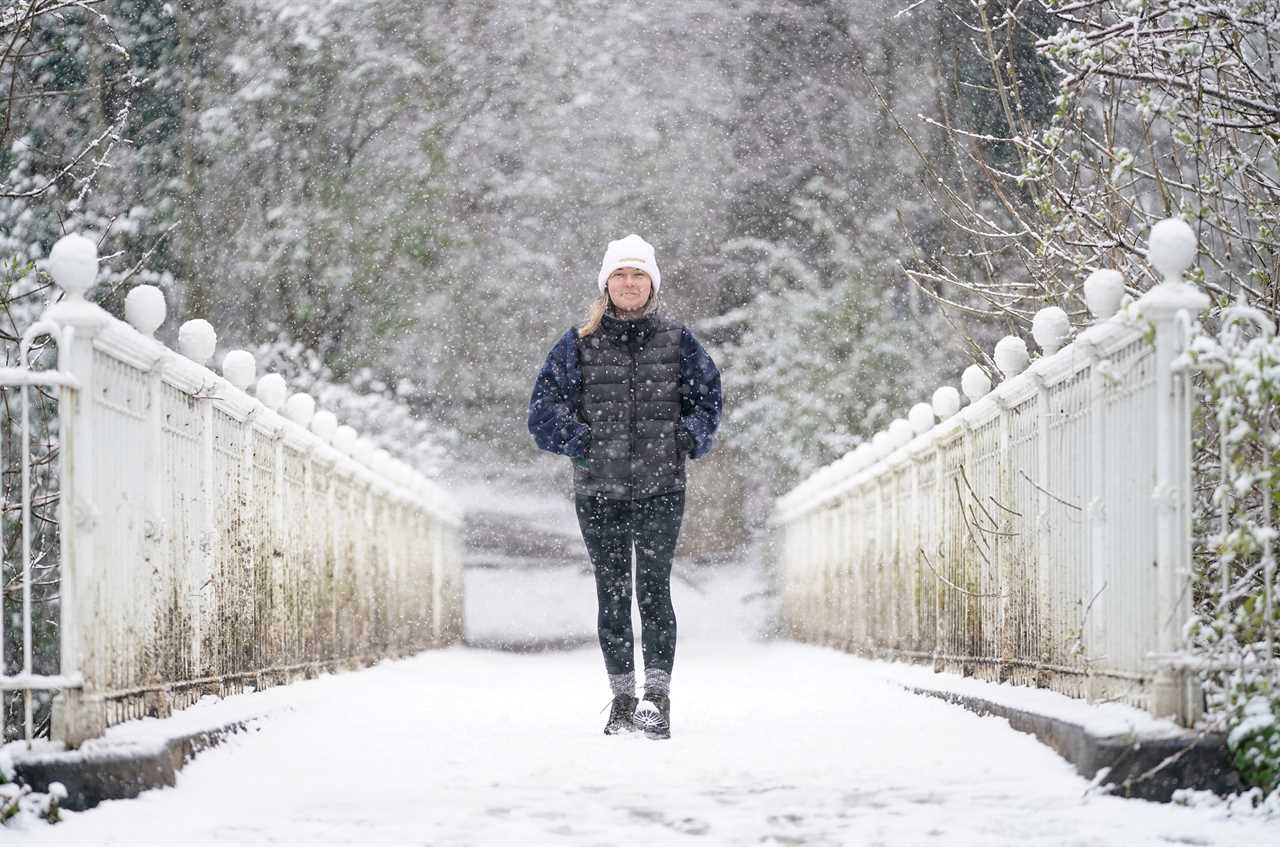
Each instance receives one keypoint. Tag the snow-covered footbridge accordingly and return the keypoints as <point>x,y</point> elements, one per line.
<point>211,542</point>
<point>773,743</point>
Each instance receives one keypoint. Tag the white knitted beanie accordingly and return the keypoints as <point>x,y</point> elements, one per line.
<point>630,252</point>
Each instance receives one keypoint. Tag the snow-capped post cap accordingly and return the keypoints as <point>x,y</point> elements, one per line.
<point>239,368</point>
<point>73,264</point>
<point>900,432</point>
<point>881,446</point>
<point>300,408</point>
<point>325,425</point>
<point>1102,292</point>
<point>197,340</point>
<point>271,391</point>
<point>975,383</point>
<point>362,450</point>
<point>145,309</point>
<point>1011,356</point>
<point>1051,328</point>
<point>1171,248</point>
<point>921,418</point>
<point>344,439</point>
<point>946,402</point>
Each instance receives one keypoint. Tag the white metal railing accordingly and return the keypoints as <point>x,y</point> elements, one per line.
<point>1039,535</point>
<point>207,541</point>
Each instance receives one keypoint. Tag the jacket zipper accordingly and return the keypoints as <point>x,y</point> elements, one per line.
<point>631,442</point>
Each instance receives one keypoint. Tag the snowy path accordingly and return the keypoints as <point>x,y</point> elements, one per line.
<point>774,744</point>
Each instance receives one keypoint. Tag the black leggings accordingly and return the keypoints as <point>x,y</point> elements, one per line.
<point>610,528</point>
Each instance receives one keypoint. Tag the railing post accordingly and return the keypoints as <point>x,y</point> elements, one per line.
<point>155,531</point>
<point>329,555</point>
<point>78,714</point>
<point>1093,622</point>
<point>1175,693</point>
<point>1005,555</point>
<point>202,586</point>
<point>835,564</point>
<point>875,581</point>
<point>310,573</point>
<point>911,564</point>
<point>277,623</point>
<point>1044,607</point>
<point>851,573</point>
<point>246,595</point>
<point>892,561</point>
<point>940,500</point>
<point>964,645</point>
<point>858,577</point>
<point>437,580</point>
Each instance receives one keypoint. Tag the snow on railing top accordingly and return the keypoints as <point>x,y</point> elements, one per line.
<point>1171,251</point>
<point>73,263</point>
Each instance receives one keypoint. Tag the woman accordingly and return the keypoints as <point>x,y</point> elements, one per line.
<point>629,395</point>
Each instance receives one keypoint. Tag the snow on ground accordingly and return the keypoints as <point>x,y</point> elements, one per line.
<point>1102,719</point>
<point>774,743</point>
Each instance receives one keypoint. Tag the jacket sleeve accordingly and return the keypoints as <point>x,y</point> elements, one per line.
<point>553,418</point>
<point>700,397</point>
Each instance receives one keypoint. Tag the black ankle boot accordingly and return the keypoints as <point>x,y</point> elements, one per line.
<point>653,716</point>
<point>620,714</point>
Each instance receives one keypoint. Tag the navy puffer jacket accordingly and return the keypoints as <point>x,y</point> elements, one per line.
<point>629,402</point>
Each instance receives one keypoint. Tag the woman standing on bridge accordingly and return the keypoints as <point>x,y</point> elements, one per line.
<point>629,395</point>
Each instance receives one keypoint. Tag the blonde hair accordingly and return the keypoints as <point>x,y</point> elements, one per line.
<point>599,306</point>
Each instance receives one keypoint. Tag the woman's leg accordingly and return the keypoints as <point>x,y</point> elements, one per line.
<point>657,529</point>
<point>606,532</point>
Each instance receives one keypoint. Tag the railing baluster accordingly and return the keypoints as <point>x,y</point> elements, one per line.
<point>1094,602</point>
<point>26,557</point>
<point>1044,606</point>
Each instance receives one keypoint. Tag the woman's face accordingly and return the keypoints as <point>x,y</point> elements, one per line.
<point>629,289</point>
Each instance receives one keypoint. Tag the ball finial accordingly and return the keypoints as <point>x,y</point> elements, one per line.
<point>344,438</point>
<point>881,445</point>
<point>239,368</point>
<point>271,391</point>
<point>73,264</point>
<point>300,408</point>
<point>946,402</point>
<point>900,432</point>
<point>1171,248</point>
<point>1011,356</point>
<point>144,308</point>
<point>921,418</point>
<point>1051,328</point>
<point>975,383</point>
<point>1103,291</point>
<point>324,424</point>
<point>197,340</point>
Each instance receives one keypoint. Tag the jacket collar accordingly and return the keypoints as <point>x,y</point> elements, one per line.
<point>620,331</point>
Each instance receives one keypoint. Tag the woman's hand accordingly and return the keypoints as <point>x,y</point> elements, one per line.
<point>684,440</point>
<point>580,461</point>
